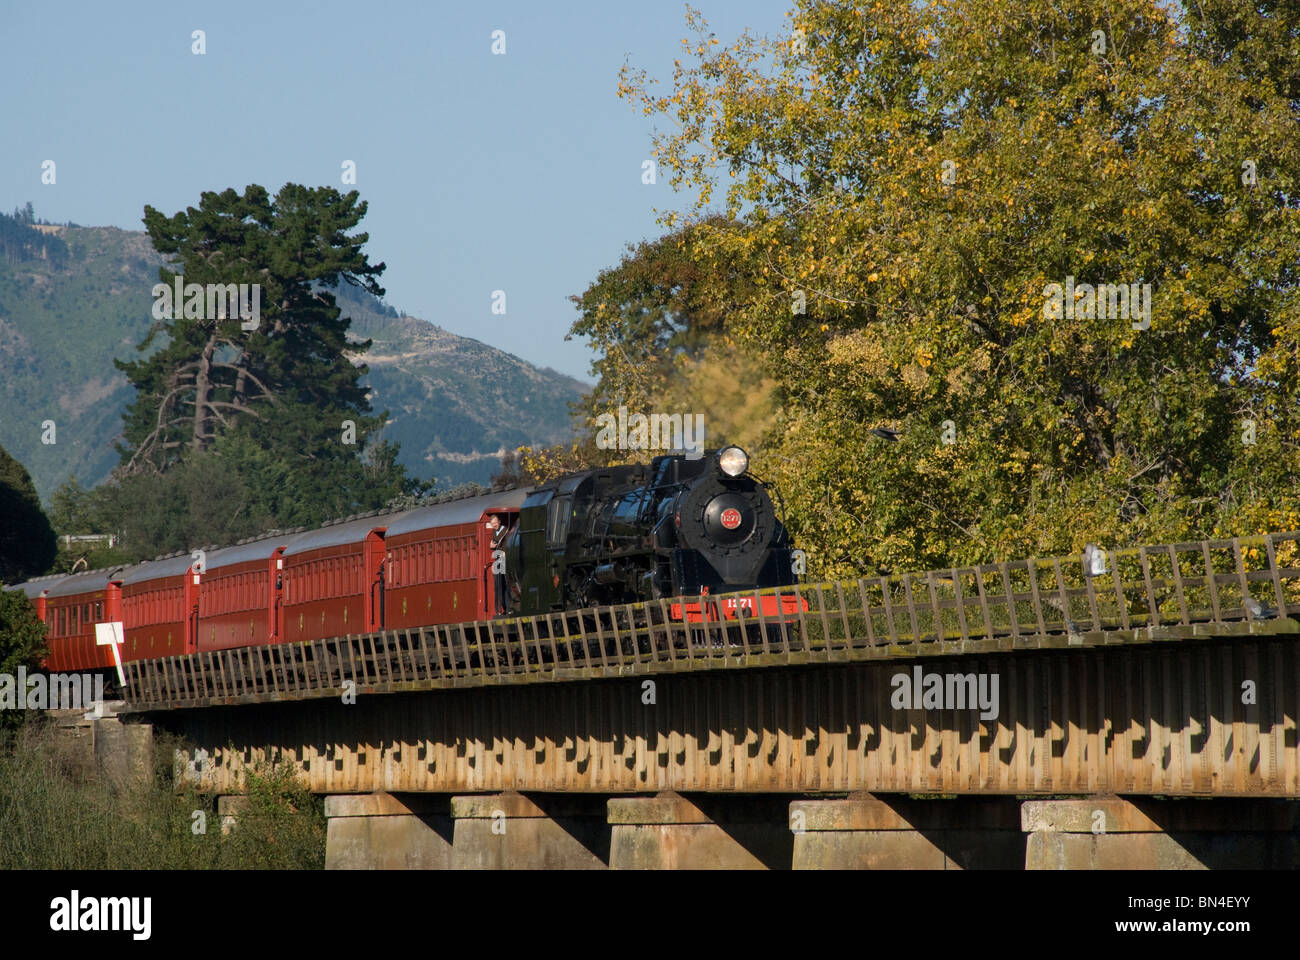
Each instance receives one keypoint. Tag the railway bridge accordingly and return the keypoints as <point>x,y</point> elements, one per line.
<point>1130,708</point>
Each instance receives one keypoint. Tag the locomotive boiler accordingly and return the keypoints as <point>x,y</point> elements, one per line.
<point>675,527</point>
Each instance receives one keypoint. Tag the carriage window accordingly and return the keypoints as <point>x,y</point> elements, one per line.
<point>99,611</point>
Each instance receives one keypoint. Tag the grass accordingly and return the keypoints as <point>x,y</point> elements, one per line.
<point>55,814</point>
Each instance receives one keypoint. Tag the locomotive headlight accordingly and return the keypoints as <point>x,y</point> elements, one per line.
<point>733,461</point>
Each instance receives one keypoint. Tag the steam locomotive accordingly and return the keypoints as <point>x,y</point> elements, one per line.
<point>676,527</point>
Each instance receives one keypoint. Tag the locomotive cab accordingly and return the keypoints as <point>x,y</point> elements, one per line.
<point>548,554</point>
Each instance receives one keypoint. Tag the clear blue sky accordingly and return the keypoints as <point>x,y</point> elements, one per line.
<point>519,172</point>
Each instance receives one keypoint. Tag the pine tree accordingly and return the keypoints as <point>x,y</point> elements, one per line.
<point>279,411</point>
<point>214,374</point>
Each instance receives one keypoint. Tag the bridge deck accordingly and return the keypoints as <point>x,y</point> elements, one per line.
<point>1205,718</point>
<point>1086,694</point>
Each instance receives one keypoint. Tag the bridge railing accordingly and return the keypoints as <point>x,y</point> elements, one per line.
<point>1171,584</point>
<point>995,606</point>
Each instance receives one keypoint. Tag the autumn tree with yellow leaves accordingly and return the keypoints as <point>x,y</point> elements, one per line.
<point>659,324</point>
<point>887,201</point>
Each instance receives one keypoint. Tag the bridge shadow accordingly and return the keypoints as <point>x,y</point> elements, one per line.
<point>1208,717</point>
<point>961,833</point>
<point>1221,833</point>
<point>584,818</point>
<point>439,821</point>
<point>760,824</point>
<point>1229,712</point>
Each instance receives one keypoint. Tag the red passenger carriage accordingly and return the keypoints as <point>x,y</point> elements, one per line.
<point>242,594</point>
<point>160,608</point>
<point>73,607</point>
<point>439,561</point>
<point>333,580</point>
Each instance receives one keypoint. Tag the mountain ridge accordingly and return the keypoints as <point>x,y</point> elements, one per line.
<point>72,298</point>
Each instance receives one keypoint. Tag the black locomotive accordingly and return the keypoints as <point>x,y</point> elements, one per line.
<point>675,527</point>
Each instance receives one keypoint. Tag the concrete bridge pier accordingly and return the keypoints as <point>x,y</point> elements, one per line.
<point>384,831</point>
<point>869,832</point>
<point>1160,834</point>
<point>103,747</point>
<point>703,832</point>
<point>502,831</point>
<point>511,831</point>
